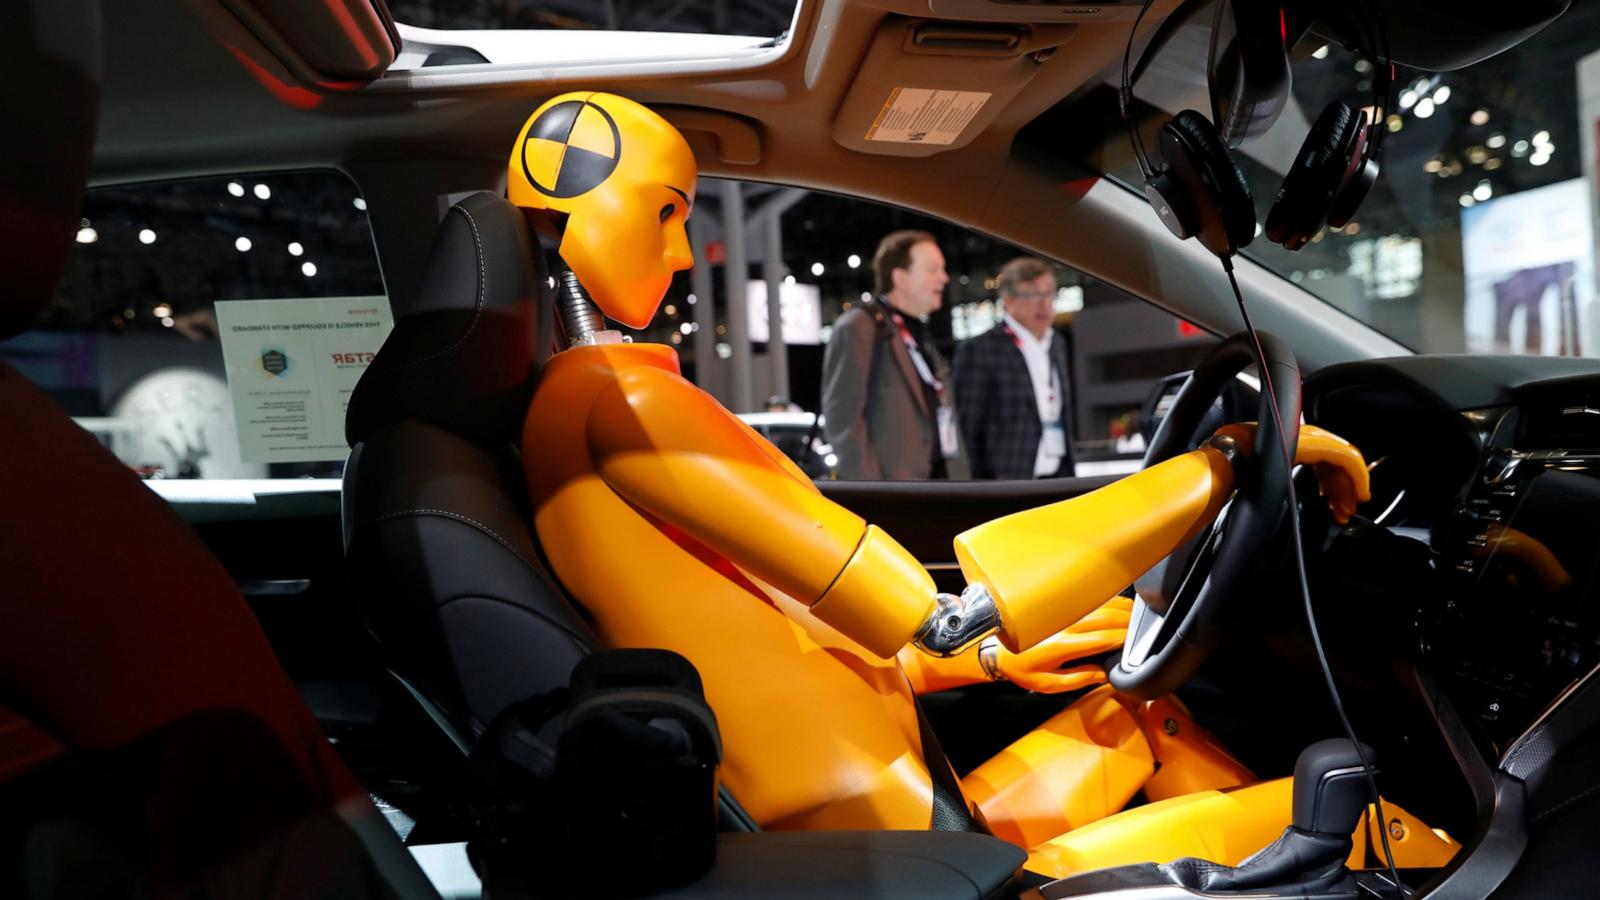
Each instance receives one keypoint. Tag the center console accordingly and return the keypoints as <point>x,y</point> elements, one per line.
<point>1517,626</point>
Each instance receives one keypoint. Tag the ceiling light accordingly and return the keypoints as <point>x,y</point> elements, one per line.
<point>670,310</point>
<point>1408,98</point>
<point>788,279</point>
<point>236,189</point>
<point>87,235</point>
<point>1479,117</point>
<point>1476,155</point>
<point>1541,137</point>
<point>359,203</point>
<point>816,268</point>
<point>1520,148</point>
<point>853,261</point>
<point>1483,191</point>
<point>1423,109</point>
<point>1394,122</point>
<point>263,192</point>
<point>1539,158</point>
<point>167,321</point>
<point>308,268</point>
<point>1466,200</point>
<point>692,298</point>
<point>1363,67</point>
<point>241,244</point>
<point>1432,166</point>
<point>146,236</point>
<point>1496,141</point>
<point>724,350</point>
<point>1491,163</point>
<point>866,296</point>
<point>295,249</point>
<point>1441,94</point>
<point>1320,52</point>
<point>685,328</point>
<point>676,338</point>
<point>161,310</point>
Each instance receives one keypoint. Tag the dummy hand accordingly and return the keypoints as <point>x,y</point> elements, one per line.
<point>1341,470</point>
<point>1039,668</point>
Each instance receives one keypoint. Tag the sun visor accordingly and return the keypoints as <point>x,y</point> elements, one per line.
<point>1441,37</point>
<point>927,86</point>
<point>323,42</point>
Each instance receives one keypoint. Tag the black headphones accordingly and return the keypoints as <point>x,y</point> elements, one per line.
<point>1200,192</point>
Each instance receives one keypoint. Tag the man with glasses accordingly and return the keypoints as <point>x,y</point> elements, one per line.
<point>1011,383</point>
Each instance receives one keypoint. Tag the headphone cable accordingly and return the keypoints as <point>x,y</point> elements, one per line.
<point>1305,585</point>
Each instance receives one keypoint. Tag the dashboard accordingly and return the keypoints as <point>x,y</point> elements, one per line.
<point>1491,467</point>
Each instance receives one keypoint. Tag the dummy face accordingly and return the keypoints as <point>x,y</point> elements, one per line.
<point>624,249</point>
<point>1033,304</point>
<point>626,180</point>
<point>919,288</point>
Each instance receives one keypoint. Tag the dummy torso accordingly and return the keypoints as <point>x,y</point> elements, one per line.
<point>819,733</point>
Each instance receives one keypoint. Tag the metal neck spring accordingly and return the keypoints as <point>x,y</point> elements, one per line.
<point>580,318</point>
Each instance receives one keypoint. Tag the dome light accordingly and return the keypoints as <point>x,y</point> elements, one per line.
<point>146,236</point>
<point>308,268</point>
<point>263,192</point>
<point>854,261</point>
<point>241,244</point>
<point>87,235</point>
<point>1423,109</point>
<point>236,189</point>
<point>816,268</point>
<point>295,249</point>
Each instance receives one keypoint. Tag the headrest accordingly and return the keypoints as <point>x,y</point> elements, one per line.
<point>466,354</point>
<point>50,94</point>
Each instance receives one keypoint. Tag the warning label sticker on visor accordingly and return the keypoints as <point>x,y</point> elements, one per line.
<point>922,116</point>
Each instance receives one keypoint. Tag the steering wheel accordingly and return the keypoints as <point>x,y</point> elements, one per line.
<point>1178,611</point>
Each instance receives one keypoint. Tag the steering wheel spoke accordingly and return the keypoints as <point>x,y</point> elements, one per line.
<point>1179,605</point>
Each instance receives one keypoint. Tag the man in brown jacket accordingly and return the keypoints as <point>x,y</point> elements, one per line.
<point>885,387</point>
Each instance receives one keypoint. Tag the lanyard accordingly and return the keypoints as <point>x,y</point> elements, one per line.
<point>917,361</point>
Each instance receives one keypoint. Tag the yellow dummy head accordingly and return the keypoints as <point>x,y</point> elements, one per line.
<point>625,179</point>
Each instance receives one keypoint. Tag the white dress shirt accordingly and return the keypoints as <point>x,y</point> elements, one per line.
<point>1047,392</point>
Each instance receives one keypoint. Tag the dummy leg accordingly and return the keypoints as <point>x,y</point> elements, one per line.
<point>1188,758</point>
<point>1088,761</point>
<point>1081,765</point>
<point>1224,827</point>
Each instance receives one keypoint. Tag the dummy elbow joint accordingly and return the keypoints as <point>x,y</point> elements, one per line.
<point>956,623</point>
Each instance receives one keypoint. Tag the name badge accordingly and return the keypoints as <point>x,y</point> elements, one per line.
<point>949,443</point>
<point>1055,440</point>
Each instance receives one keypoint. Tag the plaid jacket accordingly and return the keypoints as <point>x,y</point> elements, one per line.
<point>996,407</point>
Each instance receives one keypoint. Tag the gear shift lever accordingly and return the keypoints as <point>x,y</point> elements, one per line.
<point>1330,793</point>
<point>1330,787</point>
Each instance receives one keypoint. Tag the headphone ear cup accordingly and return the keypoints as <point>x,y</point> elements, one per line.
<point>1318,173</point>
<point>1202,168</point>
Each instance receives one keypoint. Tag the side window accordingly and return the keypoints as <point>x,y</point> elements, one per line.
<point>208,328</point>
<point>953,318</point>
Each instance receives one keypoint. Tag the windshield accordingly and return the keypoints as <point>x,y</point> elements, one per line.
<point>761,18</point>
<point>1479,235</point>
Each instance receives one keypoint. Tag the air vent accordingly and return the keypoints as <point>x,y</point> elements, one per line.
<point>1570,420</point>
<point>966,39</point>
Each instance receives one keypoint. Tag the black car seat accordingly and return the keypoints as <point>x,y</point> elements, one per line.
<point>436,517</point>
<point>150,744</point>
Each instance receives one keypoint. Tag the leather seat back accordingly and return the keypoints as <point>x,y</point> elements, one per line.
<point>437,527</point>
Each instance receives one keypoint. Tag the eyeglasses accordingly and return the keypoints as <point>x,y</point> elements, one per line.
<point>1031,296</point>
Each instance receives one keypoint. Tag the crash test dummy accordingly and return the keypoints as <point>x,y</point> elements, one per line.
<point>675,525</point>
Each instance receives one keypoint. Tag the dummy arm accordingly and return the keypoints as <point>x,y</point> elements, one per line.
<point>1053,564</point>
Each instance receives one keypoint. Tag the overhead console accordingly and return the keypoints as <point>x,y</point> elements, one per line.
<point>926,86</point>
